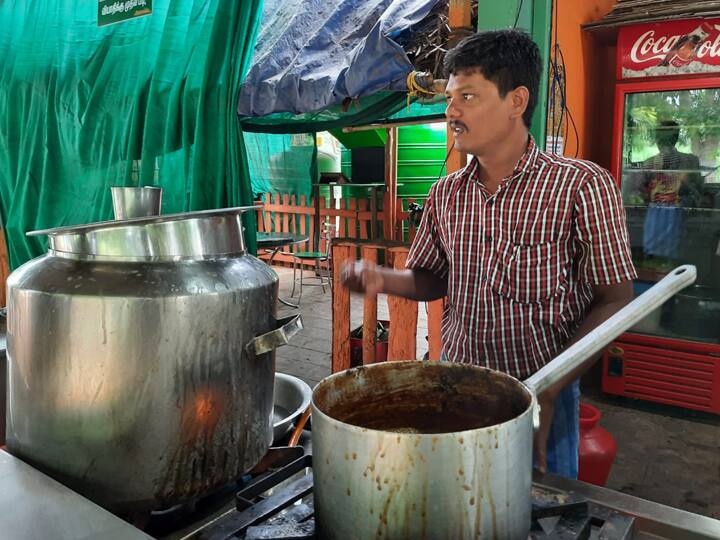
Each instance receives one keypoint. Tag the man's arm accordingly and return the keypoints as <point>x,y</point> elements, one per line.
<point>603,259</point>
<point>607,300</point>
<point>427,268</point>
<point>415,284</point>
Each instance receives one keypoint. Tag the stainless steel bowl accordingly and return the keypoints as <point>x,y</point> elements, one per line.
<point>292,396</point>
<point>135,202</point>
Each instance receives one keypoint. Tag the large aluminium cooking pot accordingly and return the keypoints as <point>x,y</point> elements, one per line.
<point>694,312</point>
<point>141,357</point>
<point>411,450</point>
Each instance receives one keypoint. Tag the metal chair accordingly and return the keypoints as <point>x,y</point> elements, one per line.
<point>303,257</point>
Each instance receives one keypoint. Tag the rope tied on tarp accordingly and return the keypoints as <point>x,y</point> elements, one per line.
<point>422,85</point>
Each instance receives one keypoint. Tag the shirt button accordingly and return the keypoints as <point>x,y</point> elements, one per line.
<point>488,237</point>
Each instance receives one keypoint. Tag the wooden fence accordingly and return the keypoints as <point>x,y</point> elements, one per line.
<point>291,214</point>
<point>403,314</point>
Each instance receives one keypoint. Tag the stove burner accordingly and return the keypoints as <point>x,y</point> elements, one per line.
<point>255,511</point>
<point>570,517</point>
<point>277,505</point>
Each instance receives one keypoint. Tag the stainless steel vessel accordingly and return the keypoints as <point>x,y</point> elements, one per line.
<point>133,202</point>
<point>135,373</point>
<point>406,450</point>
<point>292,397</point>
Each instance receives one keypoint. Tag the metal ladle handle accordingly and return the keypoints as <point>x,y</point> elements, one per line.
<point>594,342</point>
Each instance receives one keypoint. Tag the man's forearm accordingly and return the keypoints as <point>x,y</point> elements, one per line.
<point>417,284</point>
<point>607,301</point>
<point>598,314</point>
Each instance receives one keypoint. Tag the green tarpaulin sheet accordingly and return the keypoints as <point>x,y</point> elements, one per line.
<point>148,101</point>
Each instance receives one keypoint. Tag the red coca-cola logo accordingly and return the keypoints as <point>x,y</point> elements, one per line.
<point>650,46</point>
<point>684,46</point>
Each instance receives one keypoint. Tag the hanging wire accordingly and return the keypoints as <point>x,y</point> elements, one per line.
<point>442,169</point>
<point>517,15</point>
<point>559,127</point>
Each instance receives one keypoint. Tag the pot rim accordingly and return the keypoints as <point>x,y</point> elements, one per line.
<point>189,236</point>
<point>316,411</point>
<point>89,257</point>
<point>304,389</point>
<point>145,220</point>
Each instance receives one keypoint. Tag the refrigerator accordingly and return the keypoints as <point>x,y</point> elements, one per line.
<point>666,158</point>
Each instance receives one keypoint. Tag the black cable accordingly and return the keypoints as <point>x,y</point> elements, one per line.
<point>444,164</point>
<point>559,75</point>
<point>517,16</point>
<point>558,81</point>
<point>558,70</point>
<point>563,95</point>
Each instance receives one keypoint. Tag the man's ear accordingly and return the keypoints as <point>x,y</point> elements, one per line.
<point>519,101</point>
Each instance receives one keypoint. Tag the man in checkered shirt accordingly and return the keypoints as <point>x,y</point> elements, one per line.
<point>530,248</point>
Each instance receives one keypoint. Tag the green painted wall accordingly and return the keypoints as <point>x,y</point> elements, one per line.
<point>357,139</point>
<point>535,17</point>
<point>345,161</point>
<point>421,153</point>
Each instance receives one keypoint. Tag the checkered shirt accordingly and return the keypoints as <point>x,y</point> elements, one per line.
<point>521,262</point>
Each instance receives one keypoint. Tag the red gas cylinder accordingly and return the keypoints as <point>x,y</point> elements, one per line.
<point>597,447</point>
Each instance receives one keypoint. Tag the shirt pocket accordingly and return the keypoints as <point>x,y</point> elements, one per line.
<point>528,273</point>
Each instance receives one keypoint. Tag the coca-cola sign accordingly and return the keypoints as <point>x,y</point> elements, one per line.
<point>670,48</point>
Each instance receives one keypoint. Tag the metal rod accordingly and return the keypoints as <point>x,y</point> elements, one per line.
<point>386,125</point>
<point>594,342</point>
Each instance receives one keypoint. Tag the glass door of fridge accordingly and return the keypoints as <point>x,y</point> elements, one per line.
<point>670,181</point>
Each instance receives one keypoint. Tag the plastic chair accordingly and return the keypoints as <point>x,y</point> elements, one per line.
<point>303,257</point>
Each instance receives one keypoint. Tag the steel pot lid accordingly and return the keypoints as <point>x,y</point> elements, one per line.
<point>188,235</point>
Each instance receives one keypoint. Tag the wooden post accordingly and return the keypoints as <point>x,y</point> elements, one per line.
<point>315,227</point>
<point>341,253</point>
<point>390,196</point>
<point>373,213</point>
<point>278,216</point>
<point>369,253</point>
<point>434,322</point>
<point>460,15</point>
<point>266,214</point>
<point>403,318</point>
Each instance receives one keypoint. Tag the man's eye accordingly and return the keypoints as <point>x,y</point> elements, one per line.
<point>468,97</point>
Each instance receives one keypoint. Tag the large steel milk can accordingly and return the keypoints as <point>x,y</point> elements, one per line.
<point>136,374</point>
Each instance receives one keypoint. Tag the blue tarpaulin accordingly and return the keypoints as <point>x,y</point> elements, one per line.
<point>312,54</point>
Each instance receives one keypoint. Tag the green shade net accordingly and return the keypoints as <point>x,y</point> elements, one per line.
<point>281,147</point>
<point>150,101</point>
<point>282,163</point>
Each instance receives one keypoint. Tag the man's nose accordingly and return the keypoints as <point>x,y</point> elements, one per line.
<point>451,110</point>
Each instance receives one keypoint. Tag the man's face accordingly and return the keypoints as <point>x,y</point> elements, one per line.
<point>478,117</point>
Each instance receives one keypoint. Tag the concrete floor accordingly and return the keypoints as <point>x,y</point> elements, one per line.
<point>665,454</point>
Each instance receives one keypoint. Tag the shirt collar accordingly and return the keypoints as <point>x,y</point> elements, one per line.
<point>529,158</point>
<point>527,162</point>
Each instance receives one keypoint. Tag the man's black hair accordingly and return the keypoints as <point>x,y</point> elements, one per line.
<point>667,134</point>
<point>508,58</point>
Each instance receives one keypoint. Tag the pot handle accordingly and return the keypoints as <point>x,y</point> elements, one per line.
<point>286,329</point>
<point>586,348</point>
